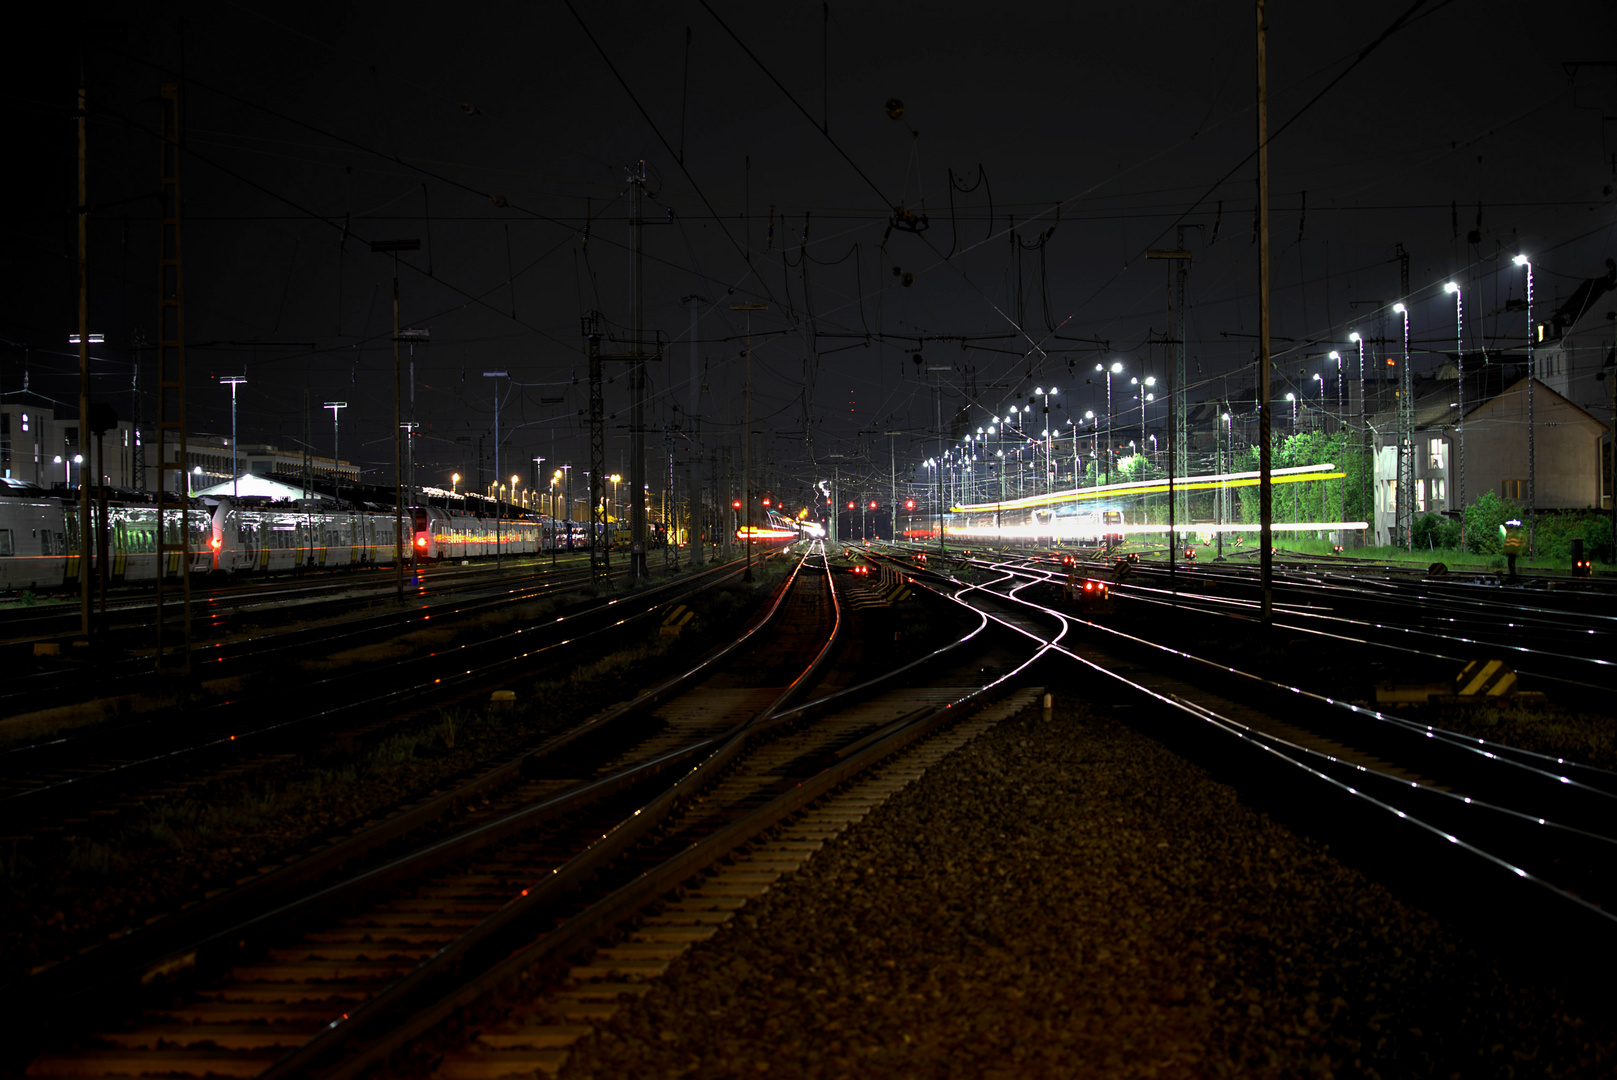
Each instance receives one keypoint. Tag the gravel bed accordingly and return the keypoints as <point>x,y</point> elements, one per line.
<point>63,892</point>
<point>1071,899</point>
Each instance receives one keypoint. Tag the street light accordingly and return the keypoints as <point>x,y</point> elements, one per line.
<point>1363,432</point>
<point>1049,453</point>
<point>746,444</point>
<point>336,450</point>
<point>1115,369</point>
<point>67,468</point>
<point>232,381</point>
<point>1404,507</point>
<point>1293,399</point>
<point>1341,404</point>
<point>486,375</point>
<point>1532,472</point>
<point>393,247</point>
<point>1224,484</point>
<point>1459,382</point>
<point>1150,380</point>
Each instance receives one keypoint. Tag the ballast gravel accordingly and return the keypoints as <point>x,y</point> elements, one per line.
<point>1070,899</point>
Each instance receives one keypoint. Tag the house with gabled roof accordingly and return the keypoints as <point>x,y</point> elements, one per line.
<point>1568,459</point>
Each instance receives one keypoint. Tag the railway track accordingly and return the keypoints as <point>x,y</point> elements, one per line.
<point>1533,833</point>
<point>1558,641</point>
<point>128,608</point>
<point>336,981</point>
<point>102,763</point>
<point>254,629</point>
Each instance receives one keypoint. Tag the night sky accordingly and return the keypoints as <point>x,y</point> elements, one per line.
<point>1042,150</point>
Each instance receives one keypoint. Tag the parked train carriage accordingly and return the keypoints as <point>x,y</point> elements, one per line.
<point>39,542</point>
<point>276,539</point>
<point>33,544</point>
<point>438,534</point>
<point>132,540</point>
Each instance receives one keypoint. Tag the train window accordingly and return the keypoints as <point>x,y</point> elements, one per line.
<point>6,547</point>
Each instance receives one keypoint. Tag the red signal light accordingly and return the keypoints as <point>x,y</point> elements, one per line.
<point>736,504</point>
<point>217,543</point>
<point>873,504</point>
<point>850,506</point>
<point>909,504</point>
<point>421,541</point>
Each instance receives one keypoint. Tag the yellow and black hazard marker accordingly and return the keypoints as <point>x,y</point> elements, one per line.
<point>676,620</point>
<point>1485,678</point>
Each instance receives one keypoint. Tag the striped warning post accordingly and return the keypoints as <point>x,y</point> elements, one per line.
<point>675,620</point>
<point>1485,678</point>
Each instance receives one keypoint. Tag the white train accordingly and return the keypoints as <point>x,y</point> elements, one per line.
<point>40,534</point>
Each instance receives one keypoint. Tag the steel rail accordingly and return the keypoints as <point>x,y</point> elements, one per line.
<point>1314,761</point>
<point>409,691</point>
<point>1553,769</point>
<point>220,925</point>
<point>606,912</point>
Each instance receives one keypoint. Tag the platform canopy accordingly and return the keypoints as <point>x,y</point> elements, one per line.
<point>251,485</point>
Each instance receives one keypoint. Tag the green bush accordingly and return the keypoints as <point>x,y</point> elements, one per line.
<point>1435,531</point>
<point>1482,521</point>
<point>1555,532</point>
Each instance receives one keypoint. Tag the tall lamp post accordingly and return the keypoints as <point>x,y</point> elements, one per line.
<point>393,247</point>
<point>1049,455</point>
<point>1404,509</point>
<point>1459,382</point>
<point>746,445</point>
<point>496,375</point>
<point>1094,440</point>
<point>1115,369</point>
<point>1341,404</point>
<point>336,448</point>
<point>1532,471</point>
<point>1224,484</point>
<point>1363,432</point>
<point>1145,396</point>
<point>231,381</point>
